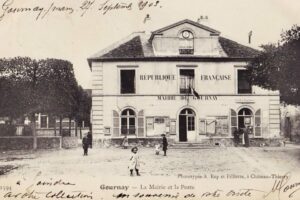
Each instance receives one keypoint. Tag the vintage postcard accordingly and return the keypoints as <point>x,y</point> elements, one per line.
<point>149,99</point>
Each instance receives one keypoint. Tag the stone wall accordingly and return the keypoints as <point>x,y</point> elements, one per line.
<point>26,142</point>
<point>16,143</point>
<point>51,142</point>
<point>217,142</point>
<point>69,142</point>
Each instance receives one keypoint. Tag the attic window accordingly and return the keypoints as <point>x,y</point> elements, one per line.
<point>186,43</point>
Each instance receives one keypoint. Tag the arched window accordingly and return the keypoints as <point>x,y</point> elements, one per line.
<point>186,42</point>
<point>190,118</point>
<point>128,121</point>
<point>245,118</point>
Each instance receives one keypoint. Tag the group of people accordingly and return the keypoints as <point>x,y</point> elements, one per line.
<point>241,136</point>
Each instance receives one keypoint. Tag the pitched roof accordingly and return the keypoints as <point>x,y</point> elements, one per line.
<point>234,49</point>
<point>137,46</point>
<point>131,49</point>
<point>212,31</point>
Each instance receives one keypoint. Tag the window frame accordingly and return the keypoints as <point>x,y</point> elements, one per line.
<point>182,39</point>
<point>128,126</point>
<point>127,67</point>
<point>237,81</point>
<point>180,81</point>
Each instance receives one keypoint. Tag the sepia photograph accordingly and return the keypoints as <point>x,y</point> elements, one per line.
<point>149,99</point>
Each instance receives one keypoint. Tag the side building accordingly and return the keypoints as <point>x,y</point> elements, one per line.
<point>183,80</point>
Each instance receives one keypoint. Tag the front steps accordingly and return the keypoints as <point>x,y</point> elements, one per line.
<point>192,145</point>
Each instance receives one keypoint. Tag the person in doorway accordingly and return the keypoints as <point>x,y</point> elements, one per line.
<point>236,136</point>
<point>164,144</point>
<point>125,142</point>
<point>242,133</point>
<point>85,145</point>
<point>246,136</point>
<point>134,162</point>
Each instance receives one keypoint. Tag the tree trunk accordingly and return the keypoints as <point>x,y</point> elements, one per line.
<point>76,126</point>
<point>69,126</point>
<point>60,125</point>
<point>33,127</point>
<point>80,132</point>
<point>55,126</point>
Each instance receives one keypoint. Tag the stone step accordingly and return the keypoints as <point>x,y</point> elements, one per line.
<point>189,145</point>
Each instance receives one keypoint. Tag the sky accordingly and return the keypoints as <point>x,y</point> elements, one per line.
<point>61,32</point>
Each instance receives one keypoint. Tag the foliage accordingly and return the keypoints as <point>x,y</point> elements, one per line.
<point>7,130</point>
<point>37,86</point>
<point>84,107</point>
<point>27,131</point>
<point>278,67</point>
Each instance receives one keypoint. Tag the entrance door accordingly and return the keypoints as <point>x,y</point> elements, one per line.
<point>182,128</point>
<point>187,131</point>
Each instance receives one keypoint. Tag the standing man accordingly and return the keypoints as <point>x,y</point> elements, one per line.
<point>85,145</point>
<point>164,144</point>
<point>236,136</point>
<point>246,135</point>
<point>90,139</point>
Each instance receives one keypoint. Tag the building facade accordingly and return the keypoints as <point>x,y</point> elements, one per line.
<point>183,80</point>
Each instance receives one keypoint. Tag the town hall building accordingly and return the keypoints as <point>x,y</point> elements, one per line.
<point>184,80</point>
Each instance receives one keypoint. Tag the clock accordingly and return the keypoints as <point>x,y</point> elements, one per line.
<point>186,34</point>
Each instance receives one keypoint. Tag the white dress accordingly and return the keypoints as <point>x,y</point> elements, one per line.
<point>134,162</point>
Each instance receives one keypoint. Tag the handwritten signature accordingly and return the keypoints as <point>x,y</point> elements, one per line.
<point>282,186</point>
<point>279,188</point>
<point>11,7</point>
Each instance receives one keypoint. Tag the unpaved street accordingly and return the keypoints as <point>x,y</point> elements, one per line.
<point>114,161</point>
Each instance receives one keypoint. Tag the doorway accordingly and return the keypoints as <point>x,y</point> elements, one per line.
<point>245,118</point>
<point>187,131</point>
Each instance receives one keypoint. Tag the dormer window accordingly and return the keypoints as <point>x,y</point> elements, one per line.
<point>186,43</point>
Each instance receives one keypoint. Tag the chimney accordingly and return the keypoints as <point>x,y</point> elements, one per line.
<point>147,17</point>
<point>147,24</point>
<point>249,37</point>
<point>203,20</point>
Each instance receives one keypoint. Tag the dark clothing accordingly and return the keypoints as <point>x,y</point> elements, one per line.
<point>90,139</point>
<point>85,145</point>
<point>236,137</point>
<point>246,136</point>
<point>165,145</point>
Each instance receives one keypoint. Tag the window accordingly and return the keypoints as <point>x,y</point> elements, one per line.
<point>186,80</point>
<point>128,122</point>
<point>51,122</point>
<point>186,43</point>
<point>44,121</point>
<point>127,81</point>
<point>191,123</point>
<point>190,118</point>
<point>245,118</point>
<point>244,85</point>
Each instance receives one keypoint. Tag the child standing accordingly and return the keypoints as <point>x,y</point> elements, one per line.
<point>157,149</point>
<point>134,162</point>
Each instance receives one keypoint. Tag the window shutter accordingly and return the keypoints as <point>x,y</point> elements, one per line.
<point>173,127</point>
<point>257,128</point>
<point>140,124</point>
<point>116,124</point>
<point>202,126</point>
<point>233,120</point>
